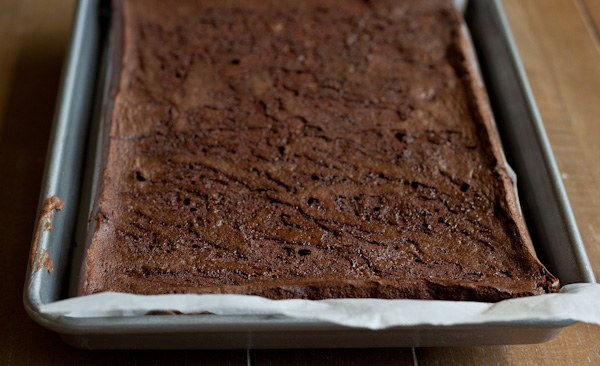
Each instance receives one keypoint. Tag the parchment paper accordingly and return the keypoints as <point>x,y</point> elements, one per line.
<point>579,302</point>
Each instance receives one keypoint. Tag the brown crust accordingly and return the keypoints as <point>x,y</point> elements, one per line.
<point>508,191</point>
<point>50,204</point>
<point>345,153</point>
<point>44,261</point>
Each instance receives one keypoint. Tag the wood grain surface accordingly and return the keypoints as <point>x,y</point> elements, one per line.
<point>559,44</point>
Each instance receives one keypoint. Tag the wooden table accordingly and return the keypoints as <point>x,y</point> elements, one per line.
<point>560,46</point>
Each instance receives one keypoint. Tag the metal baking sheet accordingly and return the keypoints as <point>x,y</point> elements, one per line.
<point>81,102</point>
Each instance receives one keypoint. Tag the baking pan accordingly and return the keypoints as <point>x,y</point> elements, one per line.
<point>70,175</point>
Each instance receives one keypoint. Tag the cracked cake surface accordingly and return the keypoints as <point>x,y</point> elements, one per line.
<point>314,149</point>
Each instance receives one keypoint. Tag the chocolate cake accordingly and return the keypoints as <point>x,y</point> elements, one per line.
<point>312,149</point>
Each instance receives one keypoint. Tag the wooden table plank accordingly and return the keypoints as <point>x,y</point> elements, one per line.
<point>333,357</point>
<point>27,30</point>
<point>592,9</point>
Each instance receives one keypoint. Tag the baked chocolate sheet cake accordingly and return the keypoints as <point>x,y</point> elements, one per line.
<point>305,149</point>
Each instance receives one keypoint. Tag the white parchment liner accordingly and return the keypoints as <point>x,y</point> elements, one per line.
<point>578,302</point>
